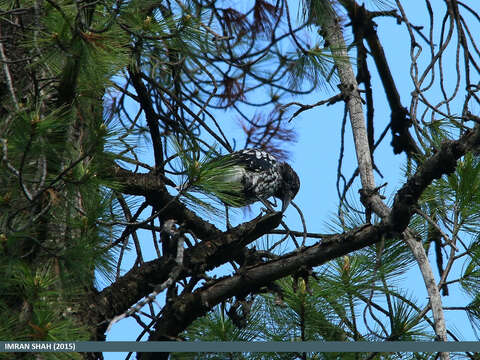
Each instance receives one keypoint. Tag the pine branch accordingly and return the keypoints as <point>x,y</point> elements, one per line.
<point>251,279</point>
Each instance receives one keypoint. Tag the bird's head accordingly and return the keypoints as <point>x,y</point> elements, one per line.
<point>289,186</point>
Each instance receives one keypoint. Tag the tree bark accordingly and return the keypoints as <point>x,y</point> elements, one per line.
<point>332,32</point>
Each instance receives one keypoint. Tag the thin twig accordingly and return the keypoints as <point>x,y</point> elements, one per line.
<point>8,75</point>
<point>435,225</point>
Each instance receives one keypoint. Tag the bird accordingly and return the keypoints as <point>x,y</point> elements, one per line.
<point>256,175</point>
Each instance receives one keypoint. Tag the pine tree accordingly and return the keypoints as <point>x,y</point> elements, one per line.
<point>91,89</point>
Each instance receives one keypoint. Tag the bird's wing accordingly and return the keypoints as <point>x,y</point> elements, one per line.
<point>254,160</point>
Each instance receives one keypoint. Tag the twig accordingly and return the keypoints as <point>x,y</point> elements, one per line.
<point>8,75</point>
<point>169,227</point>
<point>333,34</point>
<point>301,233</point>
<point>304,107</point>
<point>303,222</point>
<point>435,225</point>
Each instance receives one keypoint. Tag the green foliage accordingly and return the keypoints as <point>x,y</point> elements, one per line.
<point>316,11</point>
<point>473,313</point>
<point>307,312</point>
<point>43,314</point>
<point>217,326</point>
<point>313,66</point>
<point>58,214</point>
<point>36,140</point>
<point>470,279</point>
<point>437,132</point>
<point>55,209</point>
<point>406,326</point>
<point>464,185</point>
<point>34,132</point>
<point>223,328</point>
<point>166,37</point>
<point>208,174</point>
<point>457,197</point>
<point>67,48</point>
<point>389,259</point>
<point>326,308</point>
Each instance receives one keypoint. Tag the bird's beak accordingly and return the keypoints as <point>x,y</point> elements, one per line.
<point>285,202</point>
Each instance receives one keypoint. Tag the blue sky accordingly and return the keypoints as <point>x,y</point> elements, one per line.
<point>315,158</point>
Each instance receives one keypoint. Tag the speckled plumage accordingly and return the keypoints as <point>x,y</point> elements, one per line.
<point>263,176</point>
